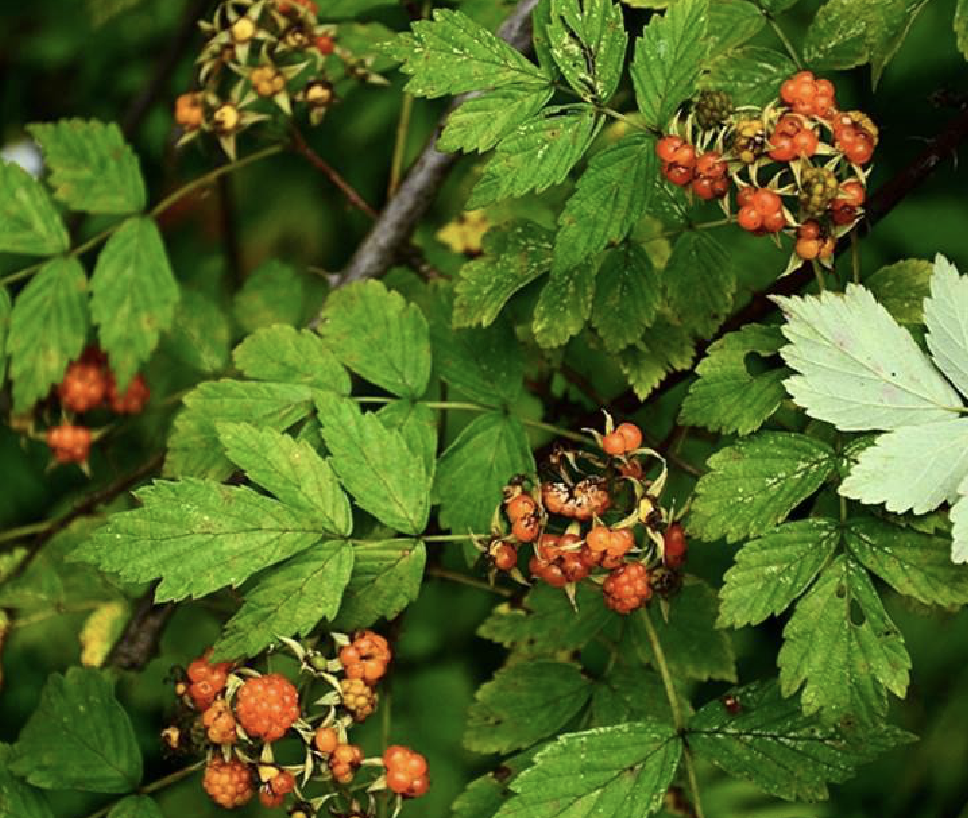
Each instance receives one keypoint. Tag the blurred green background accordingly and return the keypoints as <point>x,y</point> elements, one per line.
<point>93,59</point>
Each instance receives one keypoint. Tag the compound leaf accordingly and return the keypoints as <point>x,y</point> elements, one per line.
<point>628,296</point>
<point>946,317</point>
<point>751,75</point>
<point>662,348</point>
<point>731,23</point>
<point>901,289</point>
<point>136,806</point>
<point>756,483</point>
<point>29,222</point>
<point>564,304</point>
<point>418,425</point>
<point>386,578</point>
<point>92,168</point>
<point>587,42</point>
<point>481,122</point>
<point>284,354</point>
<point>699,282</point>
<point>273,293</point>
<point>20,800</point>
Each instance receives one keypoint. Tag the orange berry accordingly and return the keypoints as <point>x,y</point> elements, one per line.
<point>613,444</point>
<point>631,434</point>
<point>521,506</point>
<point>599,538</point>
<point>326,740</point>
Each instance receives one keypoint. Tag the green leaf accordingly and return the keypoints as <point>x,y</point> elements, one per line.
<point>375,465</point>
<point>273,294</point>
<point>546,621</point>
<point>668,59</point>
<point>912,468</point>
<point>731,23</point>
<point>291,470</point>
<point>842,648</point>
<point>564,304</point>
<point>481,122</point>
<point>611,196</point>
<point>540,153</point>
<point>587,42</point>
<point>92,168</point>
<point>488,452</point>
<point>664,347</point>
<point>751,75</point>
<point>901,289</point>
<point>286,355</point>
<point>946,318</point>
<point>194,449</point>
<point>453,55</point>
<point>524,703</point>
<point>699,282</point>
<point>959,525</point>
<point>913,563</point>
<point>200,335</point>
<point>133,296</point>
<point>784,752</point>
<point>690,641</point>
<point>631,693</point>
<point>961,26</point>
<point>18,800</point>
<point>756,483</point>
<point>347,9</point>
<point>771,572</point>
<point>727,397</point>
<point>621,770</point>
<point>386,578</point>
<point>29,222</point>
<point>199,536</point>
<point>289,600</point>
<point>380,337</point>
<point>514,256</point>
<point>136,806</point>
<point>857,368</point>
<point>78,738</point>
<point>628,297</point>
<point>418,425</point>
<point>484,796</point>
<point>48,327</point>
<point>6,308</point>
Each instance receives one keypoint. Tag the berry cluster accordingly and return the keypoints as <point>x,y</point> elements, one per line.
<point>812,155</point>
<point>262,58</point>
<point>235,715</point>
<point>88,384</point>
<point>610,517</point>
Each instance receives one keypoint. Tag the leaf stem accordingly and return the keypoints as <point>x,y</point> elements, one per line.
<point>785,40</point>
<point>400,145</point>
<point>855,256</point>
<point>818,274</point>
<point>154,786</point>
<point>27,530</point>
<point>470,582</point>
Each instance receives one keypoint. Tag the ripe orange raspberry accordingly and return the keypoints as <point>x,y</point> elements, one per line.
<point>82,387</point>
<point>267,706</point>
<point>344,762</point>
<point>274,791</point>
<point>366,657</point>
<point>220,723</point>
<point>358,697</point>
<point>406,771</point>
<point>206,680</point>
<point>69,443</point>
<point>326,739</point>
<point>675,545</point>
<point>228,783</point>
<point>627,588</point>
<point>132,400</point>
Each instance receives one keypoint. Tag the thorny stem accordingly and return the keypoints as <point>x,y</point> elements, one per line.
<point>154,786</point>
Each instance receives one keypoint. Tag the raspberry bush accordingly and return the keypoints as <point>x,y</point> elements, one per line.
<point>486,409</point>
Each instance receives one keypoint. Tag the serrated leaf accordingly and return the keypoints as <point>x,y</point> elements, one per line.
<point>418,425</point>
<point>612,195</point>
<point>19,800</point>
<point>668,59</point>
<point>961,26</point>
<point>201,335</point>
<point>631,693</point>
<point>272,294</point>
<point>731,23</point>
<point>587,41</point>
<point>29,222</point>
<point>727,397</point>
<point>489,451</point>
<point>198,536</point>
<point>133,296</point>
<point>483,797</point>
<point>6,308</point>
<point>913,563</point>
<point>514,256</point>
<point>664,347</point>
<point>289,600</point>
<point>751,75</point>
<point>538,154</point>
<point>375,465</point>
<point>286,355</point>
<point>946,318</point>
<point>699,282</point>
<point>48,327</point>
<point>194,449</point>
<point>564,304</point>
<point>784,752</point>
<point>380,337</point>
<point>901,289</point>
<point>690,641</point>
<point>857,368</point>
<point>959,525</point>
<point>92,168</point>
<point>628,296</point>
<point>843,649</point>
<point>771,572</point>
<point>756,483</point>
<point>453,55</point>
<point>291,470</point>
<point>136,806</point>
<point>524,703</point>
<point>78,738</point>
<point>386,578</point>
<point>912,468</point>
<point>481,122</point>
<point>621,770</point>
<point>546,621</point>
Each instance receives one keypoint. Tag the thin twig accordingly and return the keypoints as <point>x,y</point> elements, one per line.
<point>139,640</point>
<point>352,196</point>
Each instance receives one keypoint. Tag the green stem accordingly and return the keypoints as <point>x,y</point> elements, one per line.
<point>470,582</point>
<point>27,530</point>
<point>818,273</point>
<point>400,145</point>
<point>785,40</point>
<point>154,786</point>
<point>676,231</point>
<point>855,256</point>
<point>693,782</point>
